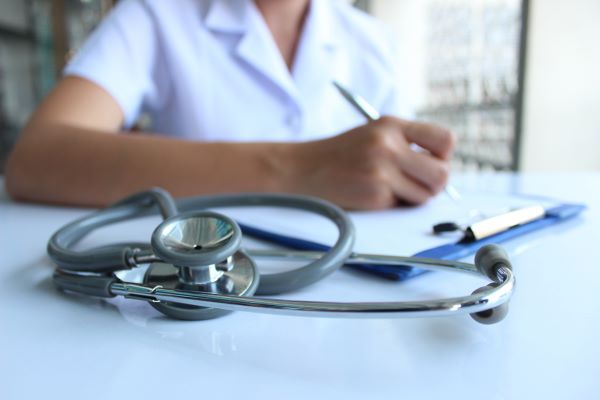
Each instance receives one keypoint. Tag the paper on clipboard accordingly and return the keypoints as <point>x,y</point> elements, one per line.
<point>403,230</point>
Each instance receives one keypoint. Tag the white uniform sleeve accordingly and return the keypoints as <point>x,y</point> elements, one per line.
<point>119,56</point>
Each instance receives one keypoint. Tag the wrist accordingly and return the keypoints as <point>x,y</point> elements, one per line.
<point>284,167</point>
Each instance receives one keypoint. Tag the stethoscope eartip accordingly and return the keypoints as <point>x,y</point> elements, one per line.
<point>491,315</point>
<point>489,259</point>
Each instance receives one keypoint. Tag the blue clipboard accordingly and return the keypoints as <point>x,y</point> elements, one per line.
<point>453,251</point>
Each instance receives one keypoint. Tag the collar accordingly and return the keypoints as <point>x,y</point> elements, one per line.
<point>235,16</point>
<point>228,16</point>
<point>257,48</point>
<point>320,23</point>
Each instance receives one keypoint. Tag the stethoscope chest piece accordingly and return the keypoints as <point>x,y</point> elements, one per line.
<point>200,253</point>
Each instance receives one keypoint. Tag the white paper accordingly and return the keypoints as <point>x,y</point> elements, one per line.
<point>399,231</point>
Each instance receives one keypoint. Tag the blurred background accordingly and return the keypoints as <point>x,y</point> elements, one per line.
<point>518,81</point>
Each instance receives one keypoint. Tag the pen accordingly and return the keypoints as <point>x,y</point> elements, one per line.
<point>493,225</point>
<point>363,106</point>
<point>371,114</point>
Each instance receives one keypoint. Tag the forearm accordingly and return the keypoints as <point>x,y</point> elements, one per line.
<point>68,165</point>
<point>369,167</point>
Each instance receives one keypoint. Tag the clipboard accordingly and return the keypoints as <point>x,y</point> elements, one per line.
<point>451,251</point>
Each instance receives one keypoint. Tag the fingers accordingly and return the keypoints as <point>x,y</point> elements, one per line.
<point>416,176</point>
<point>409,190</point>
<point>427,170</point>
<point>439,141</point>
<point>373,166</point>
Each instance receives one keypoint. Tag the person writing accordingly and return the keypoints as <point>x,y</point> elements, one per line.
<point>240,98</point>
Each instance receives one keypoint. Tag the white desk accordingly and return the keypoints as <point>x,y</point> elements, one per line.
<point>53,345</point>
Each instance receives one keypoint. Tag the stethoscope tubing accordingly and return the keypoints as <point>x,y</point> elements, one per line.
<point>489,298</point>
<point>492,297</point>
<point>112,258</point>
<point>364,258</point>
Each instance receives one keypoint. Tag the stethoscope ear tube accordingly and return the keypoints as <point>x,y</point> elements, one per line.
<point>113,257</point>
<point>102,259</point>
<point>89,285</point>
<point>487,305</point>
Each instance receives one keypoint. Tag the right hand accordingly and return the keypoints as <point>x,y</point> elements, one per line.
<point>373,166</point>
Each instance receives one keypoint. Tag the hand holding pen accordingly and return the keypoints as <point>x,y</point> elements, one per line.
<point>373,166</point>
<point>371,114</point>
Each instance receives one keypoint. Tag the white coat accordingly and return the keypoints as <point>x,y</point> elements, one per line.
<point>210,69</point>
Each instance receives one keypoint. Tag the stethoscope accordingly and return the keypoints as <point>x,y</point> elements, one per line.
<point>197,269</point>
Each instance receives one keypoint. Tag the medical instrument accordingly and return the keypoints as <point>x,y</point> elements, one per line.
<point>371,114</point>
<point>197,269</point>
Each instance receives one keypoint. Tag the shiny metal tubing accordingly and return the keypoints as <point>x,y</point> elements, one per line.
<point>355,258</point>
<point>485,300</point>
<point>361,258</point>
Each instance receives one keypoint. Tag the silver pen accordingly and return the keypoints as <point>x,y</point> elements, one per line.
<point>371,114</point>
<point>362,105</point>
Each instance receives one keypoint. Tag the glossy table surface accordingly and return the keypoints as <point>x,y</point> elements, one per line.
<point>54,345</point>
